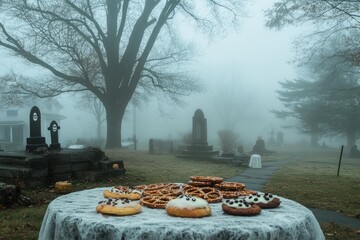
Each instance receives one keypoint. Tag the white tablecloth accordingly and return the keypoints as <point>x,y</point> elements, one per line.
<point>255,161</point>
<point>73,216</point>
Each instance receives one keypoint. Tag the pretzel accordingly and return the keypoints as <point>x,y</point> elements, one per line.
<point>213,196</point>
<point>155,201</point>
<point>211,179</point>
<point>230,186</point>
<point>154,186</point>
<point>200,184</point>
<point>194,191</point>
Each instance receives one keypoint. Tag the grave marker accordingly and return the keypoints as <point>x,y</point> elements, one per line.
<point>35,141</point>
<point>54,134</point>
<point>199,131</point>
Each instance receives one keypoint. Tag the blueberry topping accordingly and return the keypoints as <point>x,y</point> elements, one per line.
<point>181,196</point>
<point>231,202</point>
<point>187,199</point>
<point>227,201</point>
<point>236,201</point>
<point>193,199</point>
<point>240,205</point>
<point>256,199</point>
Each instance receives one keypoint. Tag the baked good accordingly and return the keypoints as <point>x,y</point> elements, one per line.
<point>63,187</point>
<point>188,206</point>
<point>212,195</point>
<point>230,186</point>
<point>200,184</point>
<point>264,200</point>
<point>240,207</point>
<point>210,179</point>
<point>237,193</point>
<point>155,201</point>
<point>120,207</point>
<point>122,192</point>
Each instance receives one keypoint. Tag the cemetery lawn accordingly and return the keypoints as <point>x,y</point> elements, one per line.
<point>310,180</point>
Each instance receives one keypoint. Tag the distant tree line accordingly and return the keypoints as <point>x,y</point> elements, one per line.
<point>325,100</point>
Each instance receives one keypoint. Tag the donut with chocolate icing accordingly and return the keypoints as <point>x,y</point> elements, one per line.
<point>240,207</point>
<point>188,207</point>
<point>119,207</point>
<point>264,200</point>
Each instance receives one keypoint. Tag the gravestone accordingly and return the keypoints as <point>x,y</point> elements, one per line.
<point>199,147</point>
<point>35,141</point>
<point>199,130</point>
<point>54,135</point>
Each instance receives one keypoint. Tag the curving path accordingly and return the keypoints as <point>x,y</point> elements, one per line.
<point>256,178</point>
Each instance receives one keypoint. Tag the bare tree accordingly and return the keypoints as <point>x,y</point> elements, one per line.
<point>331,21</point>
<point>108,47</point>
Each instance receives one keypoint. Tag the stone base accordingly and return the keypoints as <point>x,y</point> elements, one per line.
<point>198,151</point>
<point>34,143</point>
<point>35,170</point>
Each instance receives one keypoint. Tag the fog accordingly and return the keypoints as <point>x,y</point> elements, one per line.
<point>241,69</point>
<point>248,63</point>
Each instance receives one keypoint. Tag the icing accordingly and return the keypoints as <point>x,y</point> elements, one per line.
<point>237,203</point>
<point>122,191</point>
<point>259,198</point>
<point>187,201</point>
<point>121,203</point>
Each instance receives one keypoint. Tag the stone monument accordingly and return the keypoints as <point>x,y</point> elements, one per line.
<point>199,147</point>
<point>54,135</point>
<point>35,141</point>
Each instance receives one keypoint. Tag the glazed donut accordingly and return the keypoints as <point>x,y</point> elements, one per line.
<point>188,206</point>
<point>120,207</point>
<point>155,201</point>
<point>122,192</point>
<point>211,179</point>
<point>230,186</point>
<point>264,200</point>
<point>240,207</point>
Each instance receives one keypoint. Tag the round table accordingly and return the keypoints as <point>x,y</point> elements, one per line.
<point>73,216</point>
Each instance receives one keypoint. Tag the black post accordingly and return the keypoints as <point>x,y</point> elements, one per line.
<point>341,152</point>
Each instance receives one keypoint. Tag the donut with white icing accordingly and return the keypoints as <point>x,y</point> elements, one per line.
<point>240,207</point>
<point>264,200</point>
<point>119,207</point>
<point>122,192</point>
<point>188,206</point>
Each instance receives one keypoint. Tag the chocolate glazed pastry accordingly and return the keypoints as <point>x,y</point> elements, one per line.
<point>264,200</point>
<point>240,207</point>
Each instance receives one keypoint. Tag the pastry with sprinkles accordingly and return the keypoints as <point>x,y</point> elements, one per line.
<point>264,200</point>
<point>119,207</point>
<point>188,206</point>
<point>240,207</point>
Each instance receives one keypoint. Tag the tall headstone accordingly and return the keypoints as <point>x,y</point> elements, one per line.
<point>199,130</point>
<point>35,141</point>
<point>199,147</point>
<point>54,135</point>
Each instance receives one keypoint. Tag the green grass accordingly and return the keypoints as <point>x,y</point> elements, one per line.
<point>308,178</point>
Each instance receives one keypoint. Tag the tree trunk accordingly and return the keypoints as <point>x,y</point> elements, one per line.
<point>114,116</point>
